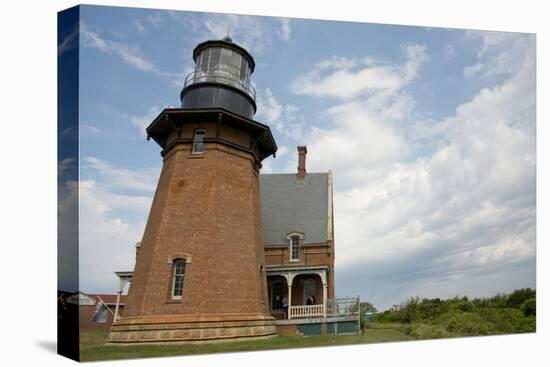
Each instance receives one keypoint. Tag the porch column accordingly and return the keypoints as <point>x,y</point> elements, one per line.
<point>118,293</point>
<point>289,299</point>
<point>324,300</point>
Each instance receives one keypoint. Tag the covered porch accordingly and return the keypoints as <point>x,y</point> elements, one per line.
<point>303,289</point>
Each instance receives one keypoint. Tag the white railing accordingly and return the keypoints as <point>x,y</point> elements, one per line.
<point>306,311</point>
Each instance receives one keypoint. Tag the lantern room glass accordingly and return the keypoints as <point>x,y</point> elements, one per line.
<point>223,65</point>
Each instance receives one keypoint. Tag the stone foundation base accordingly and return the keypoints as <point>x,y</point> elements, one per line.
<point>191,328</point>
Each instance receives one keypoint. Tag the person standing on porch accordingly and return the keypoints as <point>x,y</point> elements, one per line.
<point>285,306</point>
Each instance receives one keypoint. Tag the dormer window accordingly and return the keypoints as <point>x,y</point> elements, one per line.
<point>294,248</point>
<point>198,142</point>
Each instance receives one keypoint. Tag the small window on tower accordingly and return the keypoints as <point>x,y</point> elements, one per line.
<point>294,248</point>
<point>178,273</point>
<point>198,141</point>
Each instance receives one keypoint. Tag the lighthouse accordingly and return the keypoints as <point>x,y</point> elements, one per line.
<point>200,272</point>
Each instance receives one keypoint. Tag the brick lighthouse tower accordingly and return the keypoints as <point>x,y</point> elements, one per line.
<point>200,273</point>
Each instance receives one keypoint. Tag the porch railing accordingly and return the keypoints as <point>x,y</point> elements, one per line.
<point>306,311</point>
<point>343,306</point>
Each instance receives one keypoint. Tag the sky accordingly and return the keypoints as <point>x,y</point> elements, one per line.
<point>429,132</point>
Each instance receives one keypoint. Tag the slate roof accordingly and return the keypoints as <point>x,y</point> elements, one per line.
<point>290,204</point>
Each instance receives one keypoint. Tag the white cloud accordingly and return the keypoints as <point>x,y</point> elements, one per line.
<point>471,202</point>
<point>154,19</point>
<point>113,206</point>
<point>501,53</point>
<point>346,78</point>
<point>271,109</point>
<point>472,70</point>
<point>90,128</point>
<point>129,54</point>
<point>285,119</point>
<point>449,52</point>
<point>113,177</point>
<point>285,29</point>
<point>355,128</point>
<point>282,151</point>
<point>106,241</point>
<point>267,165</point>
<point>251,32</point>
<point>65,165</point>
<point>68,43</point>
<point>467,203</point>
<point>139,25</point>
<point>375,121</point>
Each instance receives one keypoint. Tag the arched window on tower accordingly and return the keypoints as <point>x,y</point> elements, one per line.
<point>294,248</point>
<point>198,141</point>
<point>178,272</point>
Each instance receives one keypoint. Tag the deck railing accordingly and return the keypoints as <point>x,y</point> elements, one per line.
<point>343,306</point>
<point>334,308</point>
<point>306,311</point>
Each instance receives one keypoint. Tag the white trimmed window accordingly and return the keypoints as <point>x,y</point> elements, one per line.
<point>178,273</point>
<point>294,248</point>
<point>198,141</point>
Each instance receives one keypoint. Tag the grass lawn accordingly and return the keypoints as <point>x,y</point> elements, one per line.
<point>92,347</point>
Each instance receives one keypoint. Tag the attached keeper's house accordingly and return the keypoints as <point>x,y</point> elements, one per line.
<point>298,226</point>
<point>299,240</point>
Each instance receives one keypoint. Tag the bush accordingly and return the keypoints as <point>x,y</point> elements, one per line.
<point>386,316</point>
<point>409,311</point>
<point>466,323</point>
<point>518,297</point>
<point>464,306</point>
<point>507,320</point>
<point>529,307</point>
<point>432,318</point>
<point>426,331</point>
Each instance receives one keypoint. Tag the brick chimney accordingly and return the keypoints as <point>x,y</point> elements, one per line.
<point>302,151</point>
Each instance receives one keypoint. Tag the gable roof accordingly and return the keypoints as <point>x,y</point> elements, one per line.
<point>290,204</point>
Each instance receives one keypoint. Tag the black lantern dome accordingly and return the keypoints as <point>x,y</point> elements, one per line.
<point>221,78</point>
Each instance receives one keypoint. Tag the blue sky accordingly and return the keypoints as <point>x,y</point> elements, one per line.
<point>430,134</point>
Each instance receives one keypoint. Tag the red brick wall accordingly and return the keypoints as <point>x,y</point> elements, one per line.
<point>310,255</point>
<point>207,207</point>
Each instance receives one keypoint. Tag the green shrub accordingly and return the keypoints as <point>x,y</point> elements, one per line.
<point>466,323</point>
<point>529,307</point>
<point>464,306</point>
<point>506,320</point>
<point>432,318</point>
<point>519,296</point>
<point>409,311</point>
<point>426,331</point>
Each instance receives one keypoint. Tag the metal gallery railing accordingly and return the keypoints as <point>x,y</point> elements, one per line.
<point>343,306</point>
<point>224,74</point>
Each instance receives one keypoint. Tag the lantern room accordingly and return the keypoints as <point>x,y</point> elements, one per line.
<point>221,78</point>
